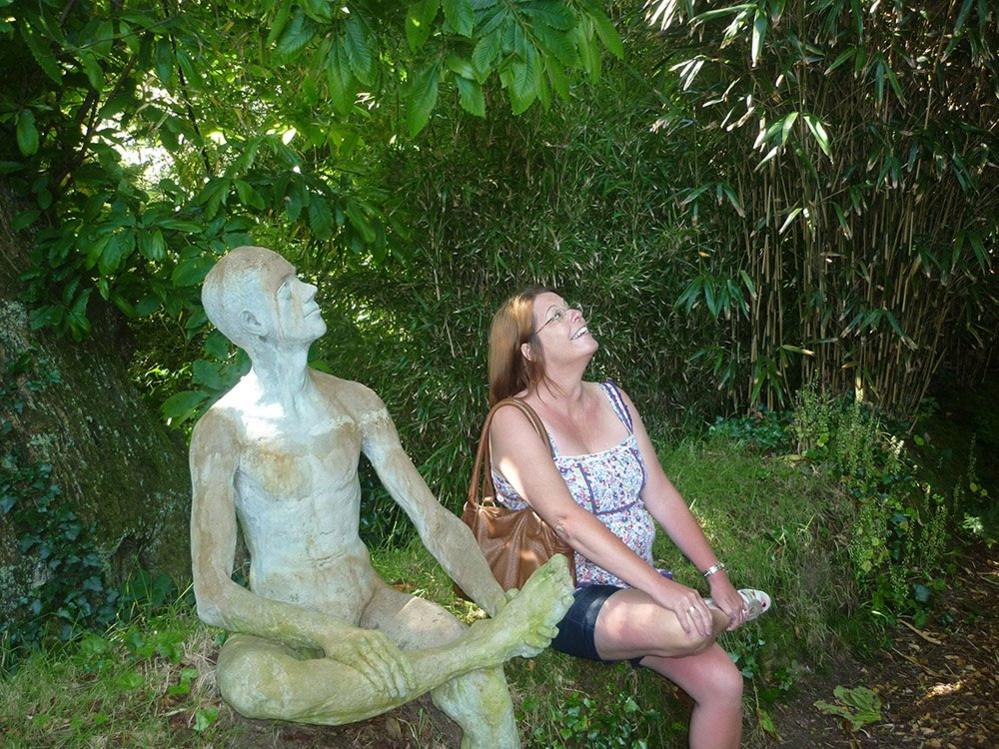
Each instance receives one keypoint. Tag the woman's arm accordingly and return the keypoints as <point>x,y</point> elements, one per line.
<point>671,512</point>
<point>525,461</point>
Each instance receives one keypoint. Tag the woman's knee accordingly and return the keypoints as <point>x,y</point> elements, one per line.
<point>723,682</point>
<point>693,643</point>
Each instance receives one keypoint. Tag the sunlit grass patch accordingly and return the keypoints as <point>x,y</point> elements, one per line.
<point>776,527</point>
<point>149,683</point>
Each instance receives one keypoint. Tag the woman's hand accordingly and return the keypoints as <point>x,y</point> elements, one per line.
<point>689,607</point>
<point>727,598</point>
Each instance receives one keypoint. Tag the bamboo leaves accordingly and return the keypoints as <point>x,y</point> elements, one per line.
<point>721,296</point>
<point>818,131</point>
<point>897,217</point>
<point>777,134</point>
<point>760,24</point>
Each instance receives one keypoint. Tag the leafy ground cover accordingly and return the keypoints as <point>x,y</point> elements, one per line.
<point>784,511</point>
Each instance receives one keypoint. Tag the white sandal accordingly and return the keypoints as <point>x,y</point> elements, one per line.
<point>757,602</point>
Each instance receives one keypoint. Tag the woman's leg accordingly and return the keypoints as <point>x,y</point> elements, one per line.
<point>715,685</point>
<point>631,625</point>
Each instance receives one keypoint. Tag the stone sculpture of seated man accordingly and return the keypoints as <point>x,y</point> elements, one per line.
<point>319,637</point>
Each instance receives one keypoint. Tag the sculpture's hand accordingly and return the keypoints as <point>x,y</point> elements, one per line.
<point>504,600</point>
<point>378,659</point>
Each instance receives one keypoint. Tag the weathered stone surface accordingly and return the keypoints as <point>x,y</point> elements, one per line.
<point>319,636</point>
<point>112,458</point>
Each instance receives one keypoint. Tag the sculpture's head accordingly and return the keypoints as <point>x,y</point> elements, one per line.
<point>254,298</point>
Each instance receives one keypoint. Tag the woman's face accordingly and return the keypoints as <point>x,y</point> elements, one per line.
<point>561,329</point>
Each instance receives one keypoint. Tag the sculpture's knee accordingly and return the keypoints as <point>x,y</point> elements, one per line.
<point>252,680</point>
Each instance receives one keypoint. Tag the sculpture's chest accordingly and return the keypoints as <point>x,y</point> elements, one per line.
<point>282,463</point>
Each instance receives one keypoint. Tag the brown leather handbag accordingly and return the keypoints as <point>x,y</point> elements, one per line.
<point>514,542</point>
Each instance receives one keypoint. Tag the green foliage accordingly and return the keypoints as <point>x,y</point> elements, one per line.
<point>842,205</point>
<point>888,525</point>
<point>581,721</point>
<point>563,198</point>
<point>899,531</point>
<point>767,430</point>
<point>980,510</point>
<point>858,706</point>
<point>139,172</point>
<point>147,683</point>
<point>778,529</point>
<point>71,590</point>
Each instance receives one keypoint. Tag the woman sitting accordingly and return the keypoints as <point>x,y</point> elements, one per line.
<point>599,484</point>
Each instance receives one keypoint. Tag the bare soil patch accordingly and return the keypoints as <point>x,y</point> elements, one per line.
<point>939,686</point>
<point>416,725</point>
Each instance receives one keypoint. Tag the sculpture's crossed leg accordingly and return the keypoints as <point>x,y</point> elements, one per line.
<point>459,666</point>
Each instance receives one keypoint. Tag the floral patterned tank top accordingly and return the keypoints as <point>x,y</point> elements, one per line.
<point>608,484</point>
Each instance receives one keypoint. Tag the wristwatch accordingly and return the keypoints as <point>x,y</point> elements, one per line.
<point>717,567</point>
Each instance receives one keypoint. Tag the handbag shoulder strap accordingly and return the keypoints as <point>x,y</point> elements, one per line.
<point>481,483</point>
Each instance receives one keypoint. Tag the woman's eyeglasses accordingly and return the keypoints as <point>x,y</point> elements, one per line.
<point>558,314</point>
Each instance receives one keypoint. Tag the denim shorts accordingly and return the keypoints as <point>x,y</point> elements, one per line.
<point>577,629</point>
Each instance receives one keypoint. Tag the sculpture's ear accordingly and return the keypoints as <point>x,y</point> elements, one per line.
<point>525,351</point>
<point>251,323</point>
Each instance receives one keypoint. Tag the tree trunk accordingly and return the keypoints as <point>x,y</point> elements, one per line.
<point>74,408</point>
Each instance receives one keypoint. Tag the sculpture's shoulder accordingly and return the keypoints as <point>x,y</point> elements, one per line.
<point>220,427</point>
<point>359,401</point>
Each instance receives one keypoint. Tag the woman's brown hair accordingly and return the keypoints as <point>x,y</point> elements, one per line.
<point>513,325</point>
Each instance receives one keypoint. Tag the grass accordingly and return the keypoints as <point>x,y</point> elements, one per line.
<point>776,525</point>
<point>151,682</point>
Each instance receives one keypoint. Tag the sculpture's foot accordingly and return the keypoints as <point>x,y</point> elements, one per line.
<point>480,703</point>
<point>526,625</point>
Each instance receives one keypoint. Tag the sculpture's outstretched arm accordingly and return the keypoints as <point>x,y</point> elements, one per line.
<point>223,603</point>
<point>444,535</point>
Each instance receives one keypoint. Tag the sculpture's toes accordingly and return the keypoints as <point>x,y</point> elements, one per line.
<point>549,591</point>
<point>540,605</point>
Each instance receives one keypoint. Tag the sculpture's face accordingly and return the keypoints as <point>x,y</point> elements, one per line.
<point>295,317</point>
<point>299,317</point>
